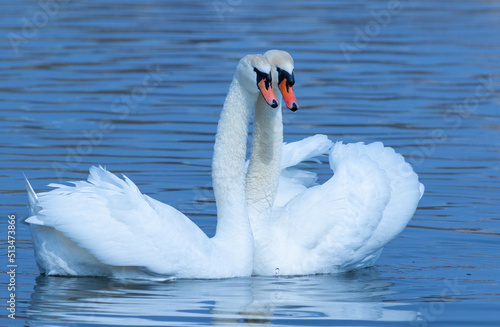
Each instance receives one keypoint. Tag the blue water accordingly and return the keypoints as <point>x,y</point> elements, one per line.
<point>138,87</point>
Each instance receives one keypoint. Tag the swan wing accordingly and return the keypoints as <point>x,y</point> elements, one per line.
<point>308,148</point>
<point>332,221</point>
<point>294,181</point>
<point>344,223</point>
<point>117,224</point>
<point>405,191</point>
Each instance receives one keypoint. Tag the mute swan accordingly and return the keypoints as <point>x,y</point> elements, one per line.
<point>303,228</point>
<point>105,227</point>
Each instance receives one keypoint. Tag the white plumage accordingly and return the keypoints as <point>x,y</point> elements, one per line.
<point>105,227</point>
<point>275,219</point>
<point>300,227</point>
<point>343,223</point>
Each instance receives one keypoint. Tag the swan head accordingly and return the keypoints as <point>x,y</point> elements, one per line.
<point>283,75</point>
<point>254,74</point>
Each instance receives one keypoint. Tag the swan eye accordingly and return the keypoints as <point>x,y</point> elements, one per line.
<point>285,84</point>
<point>263,76</point>
<point>265,86</point>
<point>283,74</point>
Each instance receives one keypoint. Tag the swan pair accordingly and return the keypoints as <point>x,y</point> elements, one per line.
<point>271,217</point>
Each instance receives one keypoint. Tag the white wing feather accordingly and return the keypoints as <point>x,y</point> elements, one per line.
<point>344,223</point>
<point>114,222</point>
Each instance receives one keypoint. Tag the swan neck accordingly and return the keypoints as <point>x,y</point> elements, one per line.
<point>228,167</point>
<point>264,168</point>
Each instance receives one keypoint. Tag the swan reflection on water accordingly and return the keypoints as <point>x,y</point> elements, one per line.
<point>315,300</point>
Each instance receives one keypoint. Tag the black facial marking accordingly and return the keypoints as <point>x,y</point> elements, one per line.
<point>283,74</point>
<point>263,76</point>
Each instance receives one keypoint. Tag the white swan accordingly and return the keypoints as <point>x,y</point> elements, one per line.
<point>105,227</point>
<point>303,228</point>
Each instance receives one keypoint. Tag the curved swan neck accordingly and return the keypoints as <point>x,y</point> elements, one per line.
<point>264,168</point>
<point>228,166</point>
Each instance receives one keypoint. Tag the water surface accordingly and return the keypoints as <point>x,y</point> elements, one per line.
<point>138,87</point>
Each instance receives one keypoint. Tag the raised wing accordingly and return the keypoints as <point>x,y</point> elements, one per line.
<point>113,221</point>
<point>330,222</point>
<point>344,223</point>
<point>294,181</point>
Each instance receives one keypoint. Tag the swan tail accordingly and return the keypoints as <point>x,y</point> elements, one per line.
<point>33,207</point>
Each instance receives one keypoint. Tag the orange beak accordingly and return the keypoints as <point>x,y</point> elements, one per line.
<point>288,95</point>
<point>266,89</point>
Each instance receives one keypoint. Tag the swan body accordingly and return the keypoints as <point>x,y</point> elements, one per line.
<point>300,227</point>
<point>106,227</point>
<point>277,220</point>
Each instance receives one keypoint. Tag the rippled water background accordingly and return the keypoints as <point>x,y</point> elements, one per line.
<point>138,87</point>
